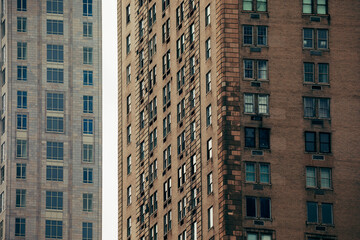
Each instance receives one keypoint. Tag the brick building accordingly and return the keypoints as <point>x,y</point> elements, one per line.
<point>238,119</point>
<point>50,119</point>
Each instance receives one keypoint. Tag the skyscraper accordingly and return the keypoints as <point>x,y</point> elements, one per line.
<point>50,119</point>
<point>238,119</point>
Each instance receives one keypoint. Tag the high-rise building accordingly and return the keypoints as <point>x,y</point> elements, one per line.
<point>50,119</point>
<point>239,119</point>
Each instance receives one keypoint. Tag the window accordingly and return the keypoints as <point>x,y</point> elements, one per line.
<point>20,198</point>
<point>142,214</point>
<point>193,164</point>
<point>258,236</point>
<point>166,93</point>
<point>21,171</point>
<point>142,182</point>
<point>128,227</point>
<point>208,115</point>
<point>181,143</point>
<point>153,109</point>
<point>53,229</point>
<point>128,134</point>
<point>179,14</point>
<point>2,151</point>
<point>21,148</point>
<point>264,137</point>
<point>128,164</point>
<point>257,172</point>
<point>128,104</point>
<point>318,177</point>
<point>88,126</point>
<point>250,106</point>
<point>182,175</point>
<point>166,31</point>
<point>142,151</point>
<point>167,125</point>
<point>207,15</point>
<point>167,189</point>
<point>154,232</point>
<point>141,58</point>
<point>21,24</point>
<point>21,5</point>
<point>210,183</point>
<point>193,198</point>
<point>87,202</point>
<point>181,209</point>
<point>54,101</point>
<point>22,73</point>
<point>322,76</point>
<point>209,149</point>
<point>54,6</point>
<point>314,210</point>
<point>316,107</point>
<point>320,42</point>
<point>261,71</point>
<point>259,5</point>
<point>167,222</point>
<point>88,78</point>
<point>87,175</point>
<point>258,207</point>
<point>87,7</point>
<point>192,65</point>
<point>128,194</point>
<point>152,77</point>
<point>21,50</point>
<point>54,173</point>
<point>180,46</point>
<point>128,13</point>
<point>167,157</point>
<point>55,27</point>
<point>152,15</point>
<point>55,150</point>
<point>153,203</point>
<point>210,217</point>
<point>255,35</point>
<point>142,119</point>
<point>192,131</point>
<point>165,4</point>
<point>128,44</point>
<point>87,29</point>
<point>55,124</point>
<point>87,231</point>
<point>88,55</point>
<point>20,224</point>
<point>55,53</point>
<point>208,81</point>
<point>21,121</point>
<point>128,74</point>
<point>88,155</point>
<point>166,62</point>
<point>153,171</point>
<point>152,46</point>
<point>141,28</point>
<point>193,231</point>
<point>192,98</point>
<point>182,236</point>
<point>88,104</point>
<point>54,200</point>
<point>2,174</point>
<point>180,78</point>
<point>324,142</point>
<point>207,49</point>
<point>191,33</point>
<point>315,6</point>
<point>153,139</point>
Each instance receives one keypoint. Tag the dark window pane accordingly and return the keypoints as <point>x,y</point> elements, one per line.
<point>264,138</point>
<point>265,207</point>
<point>326,210</point>
<point>312,212</point>
<point>325,142</point>
<point>250,207</point>
<point>249,137</point>
<point>310,144</point>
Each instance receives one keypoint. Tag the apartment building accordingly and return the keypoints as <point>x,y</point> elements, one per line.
<point>238,119</point>
<point>50,119</point>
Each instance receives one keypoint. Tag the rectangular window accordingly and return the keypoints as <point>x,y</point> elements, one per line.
<point>312,212</point>
<point>210,183</point>
<point>192,33</point>
<point>167,125</point>
<point>316,107</point>
<point>54,200</point>
<point>208,48</point>
<point>254,35</point>
<point>55,6</point>
<point>21,148</point>
<point>21,24</point>
<point>128,13</point>
<point>181,143</point>
<point>179,14</point>
<point>193,235</point>
<point>192,65</point>
<point>208,81</point>
<point>88,126</point>
<point>87,202</point>
<point>166,93</point>
<point>21,121</point>
<point>55,27</point>
<point>309,72</point>
<point>128,74</point>
<point>55,150</point>
<point>87,175</point>
<point>326,213</point>
<point>55,102</point>
<point>315,6</point>
<point>153,171</point>
<point>21,5</point>
<point>152,15</point>
<point>320,42</point>
<point>88,155</point>
<point>152,46</point>
<point>21,50</point>
<point>167,189</point>
<point>310,141</point>
<point>180,46</point>
<point>153,203</point>
<point>128,164</point>
<point>165,4</point>
<point>88,78</point>
<point>193,164</point>
<point>87,29</point>
<point>152,77</point>
<point>153,139</point>
<point>192,131</point>
<point>87,231</point>
<point>209,148</point>
<point>210,217</point>
<point>166,62</point>
<point>167,222</point>
<point>88,55</point>
<point>55,75</point>
<point>207,15</point>
<point>128,227</point>
<point>128,44</point>
<point>53,229</point>
<point>167,157</point>
<point>261,71</point>
<point>54,173</point>
<point>21,171</point>
<point>208,115</point>
<point>324,142</point>
<point>181,175</point>
<point>182,209</point>
<point>153,109</point>
<point>87,7</point>
<point>264,138</point>
<point>55,124</point>
<point>55,53</point>
<point>180,78</point>
<point>181,110</point>
<point>257,172</point>
<point>323,174</point>
<point>20,198</point>
<point>256,103</point>
<point>128,194</point>
<point>258,207</point>
<point>142,182</point>
<point>88,105</point>
<point>142,151</point>
<point>20,224</point>
<point>259,5</point>
<point>166,31</point>
<point>250,172</point>
<point>192,98</point>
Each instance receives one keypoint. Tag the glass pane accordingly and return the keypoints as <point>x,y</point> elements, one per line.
<point>265,237</point>
<point>250,207</point>
<point>326,210</point>
<point>252,236</point>
<point>312,215</point>
<point>247,5</point>
<point>264,173</point>
<point>250,172</point>
<point>310,177</point>
<point>265,207</point>
<point>325,178</point>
